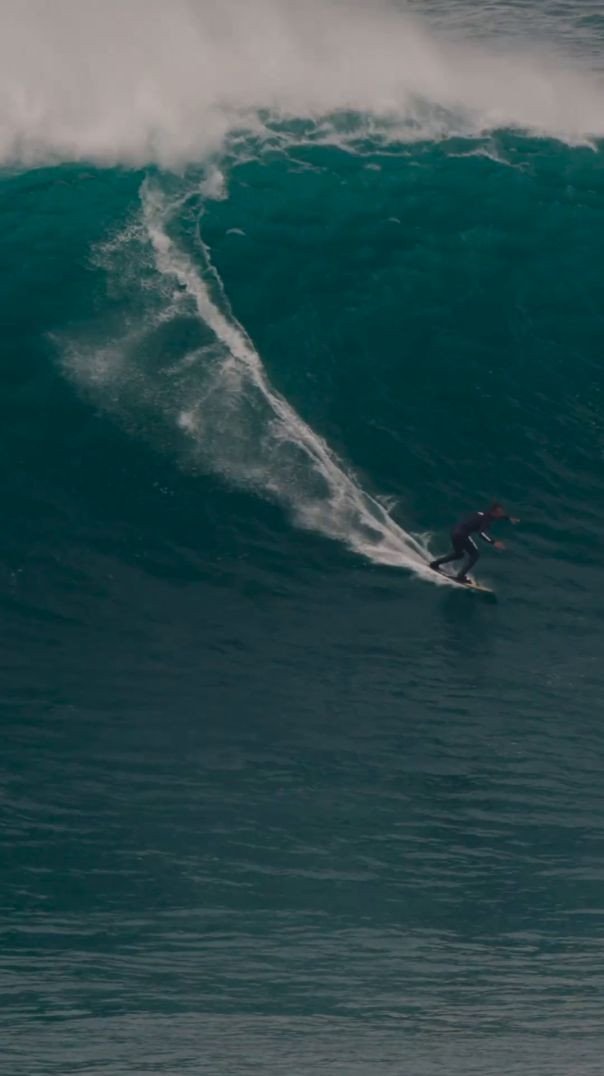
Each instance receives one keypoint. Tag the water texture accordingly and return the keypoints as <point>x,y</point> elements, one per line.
<point>286,289</point>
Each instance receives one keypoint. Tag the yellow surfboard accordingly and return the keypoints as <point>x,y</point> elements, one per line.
<point>472,584</point>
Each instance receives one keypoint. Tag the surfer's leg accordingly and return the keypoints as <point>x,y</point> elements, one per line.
<point>471,549</point>
<point>458,551</point>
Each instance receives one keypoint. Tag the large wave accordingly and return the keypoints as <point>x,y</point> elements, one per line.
<point>138,81</point>
<point>141,81</point>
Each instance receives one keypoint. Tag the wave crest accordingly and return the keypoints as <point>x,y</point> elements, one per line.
<point>141,81</point>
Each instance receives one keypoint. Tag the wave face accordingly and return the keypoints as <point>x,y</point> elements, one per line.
<point>285,290</point>
<point>217,395</point>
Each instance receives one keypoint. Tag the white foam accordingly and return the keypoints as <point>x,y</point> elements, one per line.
<point>137,81</point>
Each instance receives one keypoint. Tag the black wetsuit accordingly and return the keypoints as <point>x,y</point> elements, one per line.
<point>463,542</point>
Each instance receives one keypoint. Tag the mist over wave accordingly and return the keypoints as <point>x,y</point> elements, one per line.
<point>139,81</point>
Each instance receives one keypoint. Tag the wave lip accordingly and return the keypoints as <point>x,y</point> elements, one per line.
<point>138,81</point>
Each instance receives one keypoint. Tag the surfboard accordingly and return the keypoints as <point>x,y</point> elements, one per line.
<point>472,584</point>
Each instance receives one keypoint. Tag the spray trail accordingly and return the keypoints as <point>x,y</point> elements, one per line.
<point>215,406</point>
<point>269,445</point>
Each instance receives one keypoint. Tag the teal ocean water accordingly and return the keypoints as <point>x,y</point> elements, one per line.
<point>284,292</point>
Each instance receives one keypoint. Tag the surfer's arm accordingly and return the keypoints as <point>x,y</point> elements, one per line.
<point>486,537</point>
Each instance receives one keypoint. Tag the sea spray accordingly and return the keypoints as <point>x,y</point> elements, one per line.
<point>139,81</point>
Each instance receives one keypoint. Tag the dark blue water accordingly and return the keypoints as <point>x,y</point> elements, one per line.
<point>276,799</point>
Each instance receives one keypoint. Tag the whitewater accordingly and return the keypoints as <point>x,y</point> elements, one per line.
<point>141,81</point>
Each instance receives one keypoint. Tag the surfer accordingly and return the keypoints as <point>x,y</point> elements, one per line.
<point>463,542</point>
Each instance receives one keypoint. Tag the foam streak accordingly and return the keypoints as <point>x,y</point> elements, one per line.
<point>275,450</point>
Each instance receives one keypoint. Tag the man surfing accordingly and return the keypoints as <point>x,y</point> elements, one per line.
<point>463,542</point>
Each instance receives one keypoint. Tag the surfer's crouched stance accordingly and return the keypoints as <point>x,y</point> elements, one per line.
<point>463,542</point>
